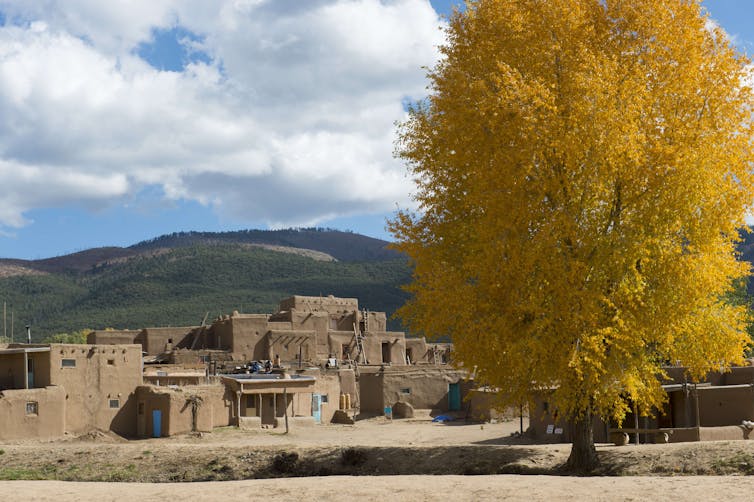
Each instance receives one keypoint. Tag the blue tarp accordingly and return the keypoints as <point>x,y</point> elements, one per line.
<point>443,418</point>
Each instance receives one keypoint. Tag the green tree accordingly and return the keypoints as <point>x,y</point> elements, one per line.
<point>73,337</point>
<point>583,168</point>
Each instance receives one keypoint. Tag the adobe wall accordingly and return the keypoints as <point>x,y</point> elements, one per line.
<point>482,405</point>
<point>12,371</point>
<point>286,345</point>
<point>41,368</point>
<point>248,334</point>
<point>175,408</point>
<point>682,414</point>
<point>113,337</point>
<point>312,321</point>
<point>155,340</point>
<point>738,375</point>
<point>328,386</point>
<point>47,423</point>
<point>220,335</point>
<point>335,342</point>
<point>200,356</point>
<point>417,349</point>
<point>376,321</point>
<point>373,347</point>
<point>370,391</point>
<point>348,385</point>
<point>720,406</point>
<point>100,374</point>
<point>741,375</point>
<point>175,374</point>
<point>542,417</point>
<point>149,399</point>
<point>329,304</point>
<point>427,387</point>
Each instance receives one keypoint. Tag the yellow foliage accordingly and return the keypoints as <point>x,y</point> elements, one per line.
<point>583,169</point>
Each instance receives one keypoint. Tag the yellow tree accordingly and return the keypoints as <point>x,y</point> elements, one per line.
<point>583,168</point>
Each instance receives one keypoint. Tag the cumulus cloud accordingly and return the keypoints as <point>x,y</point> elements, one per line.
<point>289,119</point>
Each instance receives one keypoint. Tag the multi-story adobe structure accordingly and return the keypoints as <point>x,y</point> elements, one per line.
<point>319,345</point>
<point>305,330</point>
<point>49,390</point>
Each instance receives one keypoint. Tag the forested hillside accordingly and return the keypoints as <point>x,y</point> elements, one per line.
<point>179,286</point>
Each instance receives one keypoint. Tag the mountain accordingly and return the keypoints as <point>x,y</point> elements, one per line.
<point>176,279</point>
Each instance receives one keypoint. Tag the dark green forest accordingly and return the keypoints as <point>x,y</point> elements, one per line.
<point>178,286</point>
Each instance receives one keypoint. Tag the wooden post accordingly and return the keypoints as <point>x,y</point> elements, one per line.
<point>238,408</point>
<point>636,422</point>
<point>696,405</point>
<point>285,403</point>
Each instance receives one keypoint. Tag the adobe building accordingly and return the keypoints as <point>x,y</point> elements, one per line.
<point>715,409</point>
<point>113,337</point>
<point>175,374</point>
<point>310,330</point>
<point>154,341</point>
<point>166,411</point>
<point>422,387</point>
<point>49,390</point>
<point>332,359</point>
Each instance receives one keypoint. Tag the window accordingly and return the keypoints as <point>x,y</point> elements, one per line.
<point>405,390</point>
<point>32,408</point>
<point>162,373</point>
<point>115,403</point>
<point>325,399</point>
<point>111,362</point>
<point>68,363</point>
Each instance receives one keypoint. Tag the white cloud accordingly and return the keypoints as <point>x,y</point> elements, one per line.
<point>291,123</point>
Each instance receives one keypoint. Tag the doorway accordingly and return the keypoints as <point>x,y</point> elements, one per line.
<point>386,352</point>
<point>454,397</point>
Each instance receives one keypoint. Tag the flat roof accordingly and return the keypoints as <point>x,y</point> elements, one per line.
<point>21,350</point>
<point>267,377</point>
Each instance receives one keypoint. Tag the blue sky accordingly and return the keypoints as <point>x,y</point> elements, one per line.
<point>122,121</point>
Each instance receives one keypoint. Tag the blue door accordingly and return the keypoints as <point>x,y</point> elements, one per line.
<point>454,397</point>
<point>317,407</point>
<point>156,423</point>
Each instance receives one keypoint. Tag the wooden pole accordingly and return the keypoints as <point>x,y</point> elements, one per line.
<point>636,422</point>
<point>285,403</point>
<point>696,405</point>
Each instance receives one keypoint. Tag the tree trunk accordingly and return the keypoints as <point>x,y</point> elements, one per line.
<point>583,458</point>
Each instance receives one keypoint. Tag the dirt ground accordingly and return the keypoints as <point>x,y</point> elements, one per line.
<point>426,460</point>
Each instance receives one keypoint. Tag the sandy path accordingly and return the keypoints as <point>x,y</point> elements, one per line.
<point>413,488</point>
